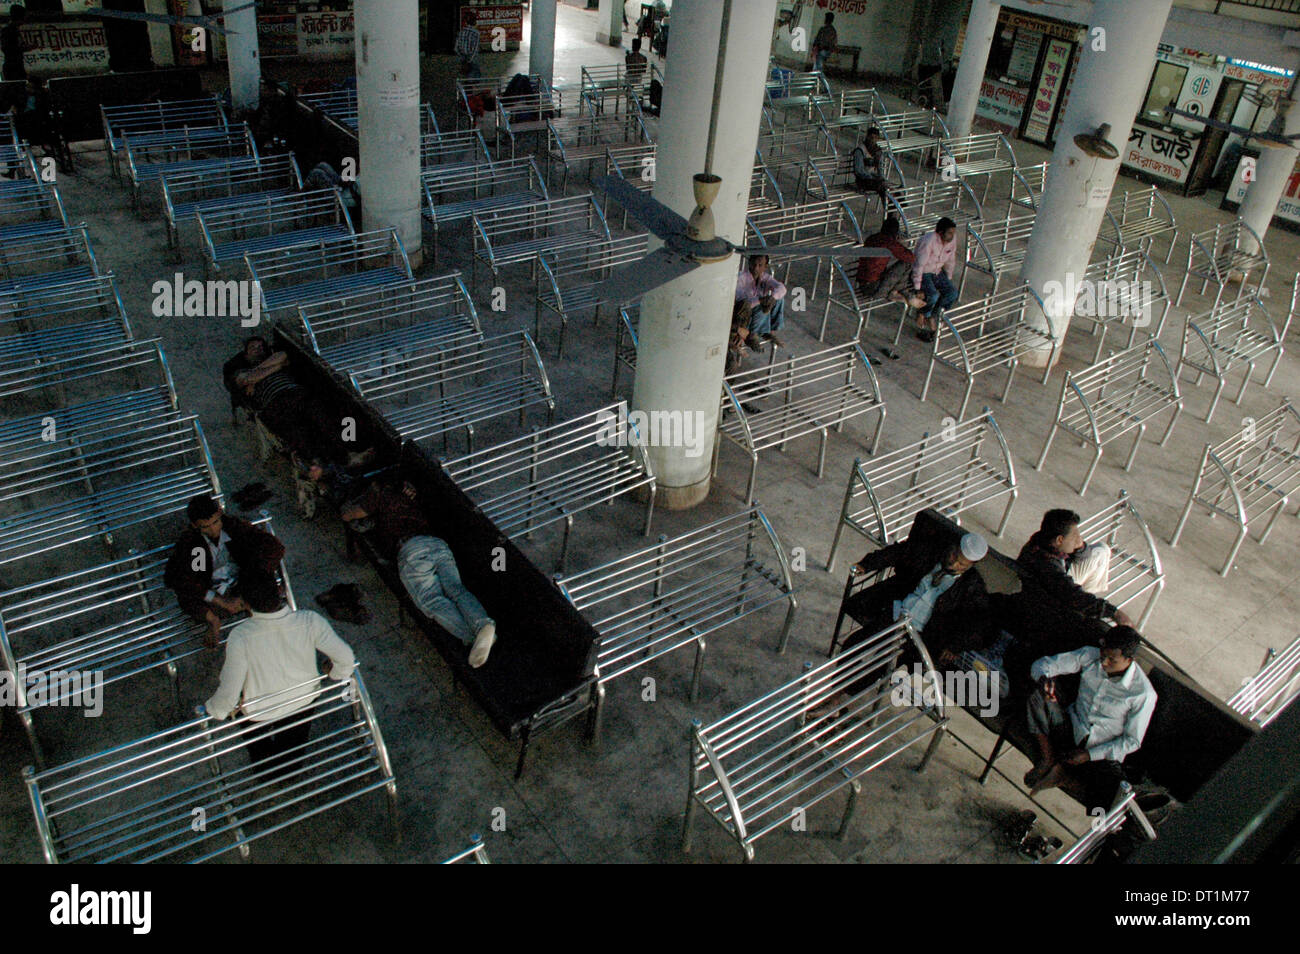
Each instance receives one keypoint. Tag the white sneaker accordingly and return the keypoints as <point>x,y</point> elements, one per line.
<point>478,653</point>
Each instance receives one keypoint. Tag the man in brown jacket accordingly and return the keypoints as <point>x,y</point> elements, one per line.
<point>208,561</point>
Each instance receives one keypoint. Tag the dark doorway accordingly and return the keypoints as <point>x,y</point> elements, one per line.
<point>1212,140</point>
<point>128,41</point>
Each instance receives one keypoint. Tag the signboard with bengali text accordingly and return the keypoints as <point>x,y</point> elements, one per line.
<point>65,48</point>
<point>1051,83</point>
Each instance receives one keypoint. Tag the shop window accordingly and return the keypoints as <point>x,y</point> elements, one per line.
<point>1166,85</point>
<point>1014,54</point>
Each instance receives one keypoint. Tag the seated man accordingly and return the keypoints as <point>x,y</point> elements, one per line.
<point>1071,571</point>
<point>932,276</point>
<point>426,566</point>
<point>868,165</point>
<point>213,558</point>
<point>948,605</point>
<point>880,277</point>
<point>274,652</point>
<point>635,63</point>
<point>1082,740</point>
<point>258,379</point>
<point>765,296</point>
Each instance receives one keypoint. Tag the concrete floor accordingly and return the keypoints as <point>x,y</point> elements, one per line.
<point>624,802</point>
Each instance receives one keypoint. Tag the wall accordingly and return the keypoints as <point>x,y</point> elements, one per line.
<point>883,28</point>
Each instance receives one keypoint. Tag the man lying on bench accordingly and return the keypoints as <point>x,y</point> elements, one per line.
<point>1084,736</point>
<point>258,379</point>
<point>425,564</point>
<point>205,567</point>
<point>1073,572</point>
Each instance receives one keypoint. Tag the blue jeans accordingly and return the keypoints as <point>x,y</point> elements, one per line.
<point>820,63</point>
<point>428,571</point>
<point>765,322</point>
<point>939,294</point>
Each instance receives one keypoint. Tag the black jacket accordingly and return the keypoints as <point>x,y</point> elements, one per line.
<point>1048,570</point>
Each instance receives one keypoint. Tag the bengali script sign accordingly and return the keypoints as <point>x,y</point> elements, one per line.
<point>61,49</point>
<point>277,35</point>
<point>1168,155</point>
<point>1001,104</point>
<point>326,35</point>
<point>1050,85</point>
<point>1288,207</point>
<point>507,16</point>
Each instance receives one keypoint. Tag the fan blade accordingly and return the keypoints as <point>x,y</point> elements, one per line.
<point>658,219</point>
<point>810,251</point>
<point>630,281</point>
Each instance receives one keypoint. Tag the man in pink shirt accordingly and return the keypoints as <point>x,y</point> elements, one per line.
<point>932,275</point>
<point>764,295</point>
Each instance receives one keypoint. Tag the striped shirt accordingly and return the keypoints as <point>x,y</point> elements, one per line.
<point>271,387</point>
<point>467,41</point>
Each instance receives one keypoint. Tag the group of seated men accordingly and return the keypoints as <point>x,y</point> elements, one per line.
<point>1082,734</point>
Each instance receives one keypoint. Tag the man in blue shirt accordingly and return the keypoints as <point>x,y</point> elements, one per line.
<point>1082,738</point>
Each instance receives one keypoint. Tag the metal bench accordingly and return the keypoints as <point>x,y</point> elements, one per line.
<point>805,92</point>
<point>1124,289</point>
<point>764,193</point>
<point>136,118</point>
<point>348,331</point>
<point>1125,810</point>
<point>963,466</point>
<point>572,140</point>
<point>832,177</point>
<point>851,110</point>
<point>451,197</point>
<point>89,302</point>
<point>151,156</point>
<point>1135,566</point>
<point>986,334</point>
<point>662,598</point>
<point>518,236</point>
<point>117,620</point>
<point>517,116</point>
<point>613,81</point>
<point>1230,336</point>
<point>34,262</point>
<point>1229,250</point>
<point>35,384</point>
<point>1115,397</point>
<point>340,106</point>
<point>1027,186</point>
<point>16,160</point>
<point>848,298</point>
<point>272,222</point>
<point>30,207</point>
<point>919,208</point>
<point>1138,217</point>
<point>1249,477</point>
<point>450,151</point>
<point>825,224</point>
<point>915,131</point>
<point>795,143</point>
<point>979,154</point>
<point>435,388</point>
<point>569,279</point>
<point>327,269</point>
<point>634,164</point>
<point>475,854</point>
<point>139,802</point>
<point>1277,684</point>
<point>467,88</point>
<point>765,765</point>
<point>553,474</point>
<point>186,194</point>
<point>996,248</point>
<point>770,406</point>
<point>625,341</point>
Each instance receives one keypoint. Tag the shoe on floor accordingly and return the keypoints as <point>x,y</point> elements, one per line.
<point>478,653</point>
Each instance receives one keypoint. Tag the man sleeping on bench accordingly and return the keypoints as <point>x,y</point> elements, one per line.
<point>1084,735</point>
<point>425,564</point>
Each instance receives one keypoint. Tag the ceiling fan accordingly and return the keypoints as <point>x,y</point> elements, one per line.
<point>204,21</point>
<point>1272,138</point>
<point>690,243</point>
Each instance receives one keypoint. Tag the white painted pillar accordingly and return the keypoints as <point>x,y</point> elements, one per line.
<point>1114,70</point>
<point>541,39</point>
<point>980,30</point>
<point>609,23</point>
<point>242,57</point>
<point>388,103</point>
<point>684,324</point>
<point>1272,170</point>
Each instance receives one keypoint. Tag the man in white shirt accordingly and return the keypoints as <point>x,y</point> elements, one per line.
<point>936,253</point>
<point>270,670</point>
<point>1083,740</point>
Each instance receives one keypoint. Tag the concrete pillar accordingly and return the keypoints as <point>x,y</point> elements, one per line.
<point>1114,70</point>
<point>609,23</point>
<point>388,103</point>
<point>980,29</point>
<point>684,324</point>
<point>242,57</point>
<point>1272,170</point>
<point>541,39</point>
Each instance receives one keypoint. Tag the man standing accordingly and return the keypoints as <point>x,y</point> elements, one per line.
<point>824,43</point>
<point>1072,572</point>
<point>881,277</point>
<point>269,667</point>
<point>426,566</point>
<point>1082,740</point>
<point>932,275</point>
<point>12,45</point>
<point>765,297</point>
<point>467,44</point>
<point>215,556</point>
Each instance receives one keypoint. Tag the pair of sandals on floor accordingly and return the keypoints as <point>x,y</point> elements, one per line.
<point>927,326</point>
